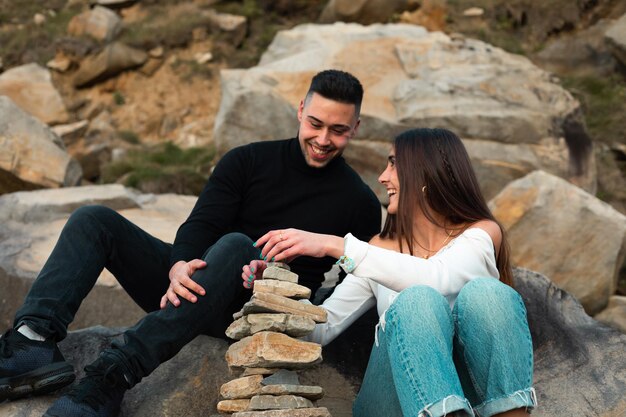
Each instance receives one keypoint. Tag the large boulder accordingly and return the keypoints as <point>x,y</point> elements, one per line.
<point>413,78</point>
<point>31,155</point>
<point>565,233</point>
<point>30,87</point>
<point>30,223</point>
<point>566,342</point>
<point>581,52</point>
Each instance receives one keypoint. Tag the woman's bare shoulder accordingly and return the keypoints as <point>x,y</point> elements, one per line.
<point>384,243</point>
<point>493,230</point>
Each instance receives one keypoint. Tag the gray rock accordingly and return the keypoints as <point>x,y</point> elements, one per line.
<point>284,288</point>
<point>282,377</point>
<point>306,391</point>
<point>30,223</point>
<point>565,233</point>
<point>301,412</point>
<point>290,324</point>
<point>100,23</point>
<point>579,52</point>
<point>30,87</point>
<point>183,386</point>
<point>278,402</point>
<point>31,155</point>
<point>280,274</point>
<point>616,39</point>
<point>112,60</point>
<point>614,314</point>
<point>580,367</point>
<point>415,78</point>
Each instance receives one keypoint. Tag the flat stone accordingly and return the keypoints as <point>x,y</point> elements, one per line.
<point>284,288</point>
<point>266,302</point>
<point>311,392</point>
<point>232,406</point>
<point>279,265</point>
<point>273,350</point>
<point>280,274</point>
<point>300,412</point>
<point>282,376</point>
<point>245,387</point>
<point>290,324</point>
<point>272,402</point>
<point>259,371</point>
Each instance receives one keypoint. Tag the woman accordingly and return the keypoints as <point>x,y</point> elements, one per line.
<point>452,337</point>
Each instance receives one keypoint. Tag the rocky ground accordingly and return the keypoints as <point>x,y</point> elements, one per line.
<point>150,93</point>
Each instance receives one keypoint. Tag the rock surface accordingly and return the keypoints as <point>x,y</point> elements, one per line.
<point>31,156</point>
<point>30,223</point>
<point>361,11</point>
<point>616,39</point>
<point>289,324</point>
<point>614,314</point>
<point>284,288</point>
<point>273,350</point>
<point>100,23</point>
<point>245,387</point>
<point>411,78</point>
<point>270,303</point>
<point>302,412</point>
<point>580,366</point>
<point>564,233</point>
<point>278,402</point>
<point>113,59</point>
<point>30,87</point>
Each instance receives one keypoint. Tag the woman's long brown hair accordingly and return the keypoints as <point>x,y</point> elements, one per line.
<point>437,159</point>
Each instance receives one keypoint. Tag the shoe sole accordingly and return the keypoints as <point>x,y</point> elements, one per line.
<point>40,381</point>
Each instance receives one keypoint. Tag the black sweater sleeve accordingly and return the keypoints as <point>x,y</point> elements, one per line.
<point>216,208</point>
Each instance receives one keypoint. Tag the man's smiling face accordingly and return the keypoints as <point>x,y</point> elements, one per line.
<point>326,126</point>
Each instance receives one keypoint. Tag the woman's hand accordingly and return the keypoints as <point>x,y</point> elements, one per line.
<point>252,272</point>
<point>181,283</point>
<point>287,244</point>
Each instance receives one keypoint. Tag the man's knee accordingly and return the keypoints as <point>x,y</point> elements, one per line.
<point>231,245</point>
<point>87,214</point>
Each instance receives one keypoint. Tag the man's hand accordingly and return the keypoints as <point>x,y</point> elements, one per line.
<point>181,283</point>
<point>252,272</point>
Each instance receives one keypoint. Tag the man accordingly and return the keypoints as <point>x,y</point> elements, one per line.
<point>301,182</point>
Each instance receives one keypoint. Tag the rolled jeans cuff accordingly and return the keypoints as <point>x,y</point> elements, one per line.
<point>446,406</point>
<point>526,398</point>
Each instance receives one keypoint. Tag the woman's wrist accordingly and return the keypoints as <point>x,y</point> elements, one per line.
<point>334,246</point>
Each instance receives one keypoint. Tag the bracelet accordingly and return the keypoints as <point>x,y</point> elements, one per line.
<point>346,263</point>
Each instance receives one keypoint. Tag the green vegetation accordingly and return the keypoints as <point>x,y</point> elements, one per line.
<point>604,102</point>
<point>129,136</point>
<point>118,98</point>
<point>165,168</point>
<point>27,42</point>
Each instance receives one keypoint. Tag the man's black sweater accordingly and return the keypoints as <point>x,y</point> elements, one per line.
<point>265,186</point>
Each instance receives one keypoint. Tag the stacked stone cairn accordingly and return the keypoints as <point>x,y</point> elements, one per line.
<point>269,353</point>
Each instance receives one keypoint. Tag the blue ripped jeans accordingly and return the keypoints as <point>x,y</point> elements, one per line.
<point>429,361</point>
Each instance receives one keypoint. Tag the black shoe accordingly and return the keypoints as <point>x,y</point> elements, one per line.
<point>98,394</point>
<point>31,367</point>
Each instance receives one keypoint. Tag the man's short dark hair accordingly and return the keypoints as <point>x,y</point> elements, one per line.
<point>337,85</point>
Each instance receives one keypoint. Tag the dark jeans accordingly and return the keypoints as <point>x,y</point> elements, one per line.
<point>97,237</point>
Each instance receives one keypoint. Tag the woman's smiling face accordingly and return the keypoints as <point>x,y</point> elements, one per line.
<point>389,178</point>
